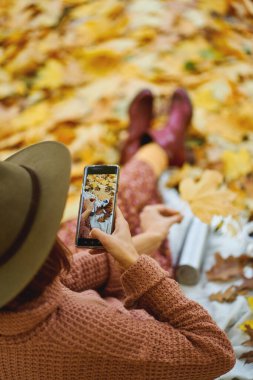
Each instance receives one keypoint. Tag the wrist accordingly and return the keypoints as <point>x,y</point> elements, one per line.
<point>154,235</point>
<point>131,258</point>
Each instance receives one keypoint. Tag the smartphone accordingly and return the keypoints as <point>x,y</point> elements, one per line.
<point>97,203</point>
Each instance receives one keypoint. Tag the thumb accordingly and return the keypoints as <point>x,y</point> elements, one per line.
<point>96,233</point>
<point>175,219</point>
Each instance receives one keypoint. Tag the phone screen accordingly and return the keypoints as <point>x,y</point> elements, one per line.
<point>97,204</point>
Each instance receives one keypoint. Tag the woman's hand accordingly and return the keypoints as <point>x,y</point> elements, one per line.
<point>147,243</point>
<point>88,204</point>
<point>158,219</point>
<point>119,244</point>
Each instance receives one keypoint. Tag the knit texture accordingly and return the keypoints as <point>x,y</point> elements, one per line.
<point>76,334</point>
<point>78,329</point>
<point>137,189</point>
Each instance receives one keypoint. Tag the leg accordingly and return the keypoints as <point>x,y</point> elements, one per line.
<point>138,183</point>
<point>138,188</point>
<point>171,137</point>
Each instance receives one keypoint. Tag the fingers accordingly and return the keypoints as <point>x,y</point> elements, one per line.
<point>163,209</point>
<point>175,219</point>
<point>119,214</point>
<point>119,219</point>
<point>96,233</point>
<point>166,211</point>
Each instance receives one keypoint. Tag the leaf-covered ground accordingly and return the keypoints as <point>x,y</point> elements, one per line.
<point>69,68</point>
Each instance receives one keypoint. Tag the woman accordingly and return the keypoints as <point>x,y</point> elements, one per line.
<point>69,326</point>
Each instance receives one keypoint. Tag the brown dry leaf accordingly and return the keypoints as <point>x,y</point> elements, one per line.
<point>249,331</point>
<point>247,284</point>
<point>207,197</point>
<point>248,185</point>
<point>227,269</point>
<point>229,295</point>
<point>249,6</point>
<point>248,356</point>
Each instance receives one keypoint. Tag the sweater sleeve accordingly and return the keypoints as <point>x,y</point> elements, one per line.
<point>87,271</point>
<point>179,341</point>
<point>98,271</point>
<point>200,346</point>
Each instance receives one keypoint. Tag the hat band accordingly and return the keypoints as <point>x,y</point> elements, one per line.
<point>24,231</point>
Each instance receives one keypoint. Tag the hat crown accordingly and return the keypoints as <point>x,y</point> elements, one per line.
<point>15,201</point>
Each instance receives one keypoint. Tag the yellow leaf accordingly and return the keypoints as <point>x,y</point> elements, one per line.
<point>99,29</point>
<point>236,164</point>
<point>144,34</point>
<point>70,108</point>
<point>50,76</point>
<point>226,127</point>
<point>249,322</point>
<point>244,114</point>
<point>212,95</point>
<point>250,302</point>
<point>100,61</point>
<point>206,197</point>
<point>32,116</point>
<point>187,171</point>
<point>219,6</point>
<point>222,124</point>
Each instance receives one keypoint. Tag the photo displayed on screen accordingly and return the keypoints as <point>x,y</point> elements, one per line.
<point>98,203</point>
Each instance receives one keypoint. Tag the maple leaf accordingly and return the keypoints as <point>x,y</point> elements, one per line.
<point>185,172</point>
<point>237,164</point>
<point>219,6</point>
<point>249,331</point>
<point>247,327</point>
<point>247,284</point>
<point>51,75</point>
<point>32,116</point>
<point>231,293</point>
<point>211,95</point>
<point>207,197</point>
<point>228,268</point>
<point>247,185</point>
<point>64,134</point>
<point>248,356</point>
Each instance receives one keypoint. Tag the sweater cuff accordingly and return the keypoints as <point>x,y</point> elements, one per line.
<point>140,278</point>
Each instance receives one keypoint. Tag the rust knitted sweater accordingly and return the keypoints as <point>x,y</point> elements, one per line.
<point>71,332</point>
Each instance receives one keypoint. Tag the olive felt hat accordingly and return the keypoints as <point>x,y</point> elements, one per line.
<point>34,184</point>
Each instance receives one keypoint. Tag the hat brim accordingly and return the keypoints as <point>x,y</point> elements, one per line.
<point>51,162</point>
